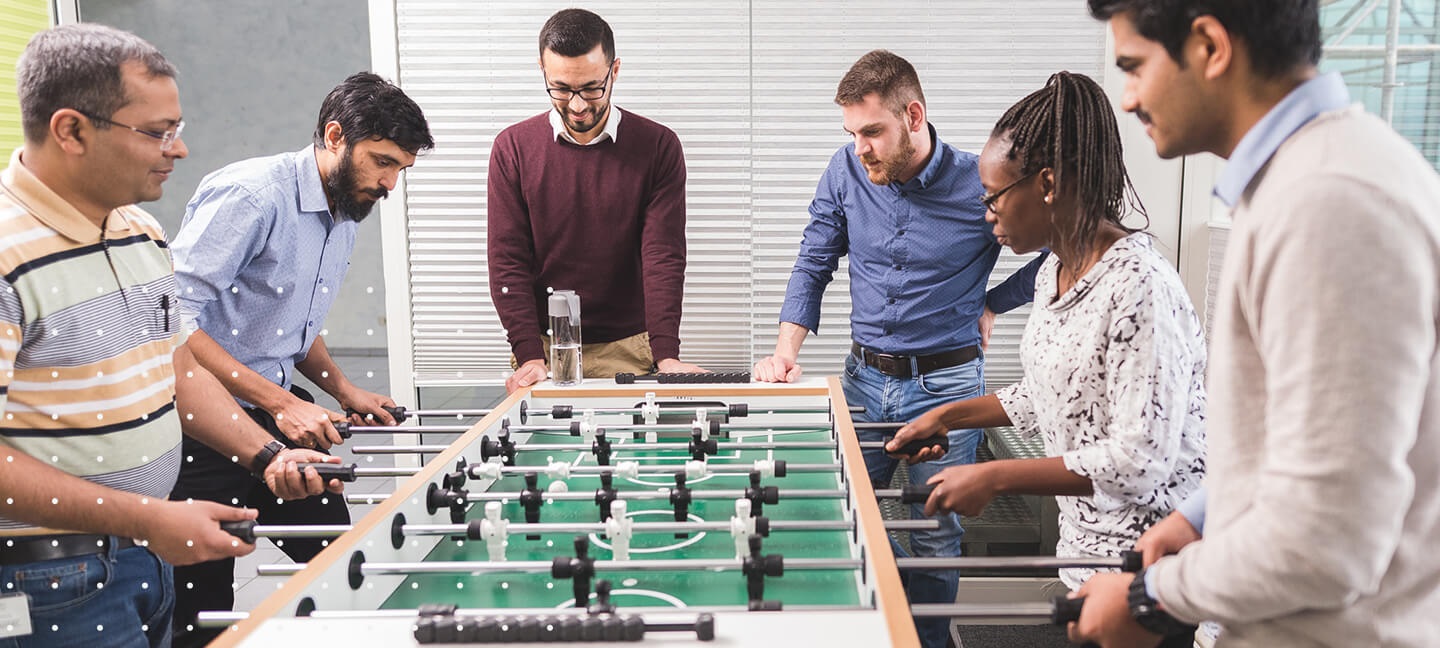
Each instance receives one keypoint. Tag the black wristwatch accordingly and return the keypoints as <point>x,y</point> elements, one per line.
<point>1147,612</point>
<point>264,457</point>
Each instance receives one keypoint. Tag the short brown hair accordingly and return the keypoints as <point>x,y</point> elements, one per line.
<point>881,72</point>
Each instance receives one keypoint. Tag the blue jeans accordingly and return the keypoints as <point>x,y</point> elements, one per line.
<point>115,599</point>
<point>895,399</point>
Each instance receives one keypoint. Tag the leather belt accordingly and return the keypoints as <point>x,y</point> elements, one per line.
<point>899,366</point>
<point>21,550</point>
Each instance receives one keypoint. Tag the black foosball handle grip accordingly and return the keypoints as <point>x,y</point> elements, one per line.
<point>916,494</point>
<point>916,445</point>
<point>1063,609</point>
<point>397,412</point>
<point>710,378</point>
<point>243,529</point>
<point>329,471</point>
<point>1131,561</point>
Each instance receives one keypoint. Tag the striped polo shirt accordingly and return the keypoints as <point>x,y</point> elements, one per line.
<point>89,323</point>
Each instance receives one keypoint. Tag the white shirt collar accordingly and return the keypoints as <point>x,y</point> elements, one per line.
<point>612,127</point>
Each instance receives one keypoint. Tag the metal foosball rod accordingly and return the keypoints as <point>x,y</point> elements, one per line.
<point>559,470</point>
<point>943,442</point>
<point>624,469</point>
<point>577,428</point>
<point>401,413</point>
<point>1129,561</point>
<point>223,618</point>
<point>248,531</point>
<point>589,496</point>
<point>733,410</point>
<point>542,566</point>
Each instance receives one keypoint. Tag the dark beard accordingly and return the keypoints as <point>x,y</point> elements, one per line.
<point>343,189</point>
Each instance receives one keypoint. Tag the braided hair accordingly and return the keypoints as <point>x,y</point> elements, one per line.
<point>1070,127</point>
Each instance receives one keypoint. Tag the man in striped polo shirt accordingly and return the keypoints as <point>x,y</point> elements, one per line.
<point>90,353</point>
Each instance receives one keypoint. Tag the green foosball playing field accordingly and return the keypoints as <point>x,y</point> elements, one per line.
<point>666,589</point>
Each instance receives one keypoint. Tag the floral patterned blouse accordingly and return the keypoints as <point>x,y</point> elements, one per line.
<point>1114,383</point>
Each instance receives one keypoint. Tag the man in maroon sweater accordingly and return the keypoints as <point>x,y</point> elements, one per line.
<point>580,201</point>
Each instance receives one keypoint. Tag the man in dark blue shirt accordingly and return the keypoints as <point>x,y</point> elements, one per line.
<point>906,208</point>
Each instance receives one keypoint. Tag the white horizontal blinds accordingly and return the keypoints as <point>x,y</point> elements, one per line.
<point>472,67</point>
<point>974,59</point>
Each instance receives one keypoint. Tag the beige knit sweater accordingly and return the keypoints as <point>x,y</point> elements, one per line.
<point>1323,518</point>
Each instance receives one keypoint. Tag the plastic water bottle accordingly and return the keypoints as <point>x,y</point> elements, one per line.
<point>566,366</point>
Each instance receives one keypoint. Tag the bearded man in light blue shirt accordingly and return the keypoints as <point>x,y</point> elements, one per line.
<point>259,259</point>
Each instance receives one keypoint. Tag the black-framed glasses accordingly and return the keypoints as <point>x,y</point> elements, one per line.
<point>167,138</point>
<point>588,94</point>
<point>988,200</point>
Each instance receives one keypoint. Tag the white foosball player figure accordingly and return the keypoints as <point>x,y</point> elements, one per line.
<point>742,526</point>
<point>619,528</point>
<point>494,530</point>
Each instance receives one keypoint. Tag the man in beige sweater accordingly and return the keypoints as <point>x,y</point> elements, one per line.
<point>1322,521</point>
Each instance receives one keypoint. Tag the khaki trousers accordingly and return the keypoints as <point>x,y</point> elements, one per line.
<point>605,359</point>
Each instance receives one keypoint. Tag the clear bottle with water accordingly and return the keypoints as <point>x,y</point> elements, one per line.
<point>565,362</point>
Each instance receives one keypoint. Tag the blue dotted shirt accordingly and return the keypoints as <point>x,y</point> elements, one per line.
<point>920,255</point>
<point>259,259</point>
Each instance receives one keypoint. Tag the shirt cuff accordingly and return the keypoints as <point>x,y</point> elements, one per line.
<point>1016,404</point>
<point>1150,585</point>
<point>1193,508</point>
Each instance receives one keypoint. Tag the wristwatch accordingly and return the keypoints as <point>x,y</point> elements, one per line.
<point>264,457</point>
<point>1146,611</point>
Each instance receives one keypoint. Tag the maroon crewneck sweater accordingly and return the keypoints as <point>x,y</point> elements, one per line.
<point>607,221</point>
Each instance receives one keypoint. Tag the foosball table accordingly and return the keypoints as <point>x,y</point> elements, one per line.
<point>733,514</point>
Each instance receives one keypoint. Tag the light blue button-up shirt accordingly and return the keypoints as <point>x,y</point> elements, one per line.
<point>259,259</point>
<point>1322,94</point>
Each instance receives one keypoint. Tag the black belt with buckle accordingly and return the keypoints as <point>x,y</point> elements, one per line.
<point>22,550</point>
<point>898,366</point>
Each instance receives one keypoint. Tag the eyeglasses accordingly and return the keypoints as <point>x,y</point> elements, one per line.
<point>167,138</point>
<point>588,94</point>
<point>989,200</point>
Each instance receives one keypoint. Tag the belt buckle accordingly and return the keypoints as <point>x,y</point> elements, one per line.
<point>893,366</point>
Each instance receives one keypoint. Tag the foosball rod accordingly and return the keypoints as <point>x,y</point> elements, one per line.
<point>248,531</point>
<point>573,429</point>
<point>637,447</point>
<point>544,566</point>
<point>589,495</point>
<point>619,471</point>
<point>352,472</point>
<point>1129,561</point>
<point>224,618</point>
<point>347,430</point>
<point>400,413</point>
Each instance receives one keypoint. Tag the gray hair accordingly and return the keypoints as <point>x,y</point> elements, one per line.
<point>78,66</point>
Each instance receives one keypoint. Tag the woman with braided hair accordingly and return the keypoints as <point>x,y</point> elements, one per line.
<point>1113,353</point>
